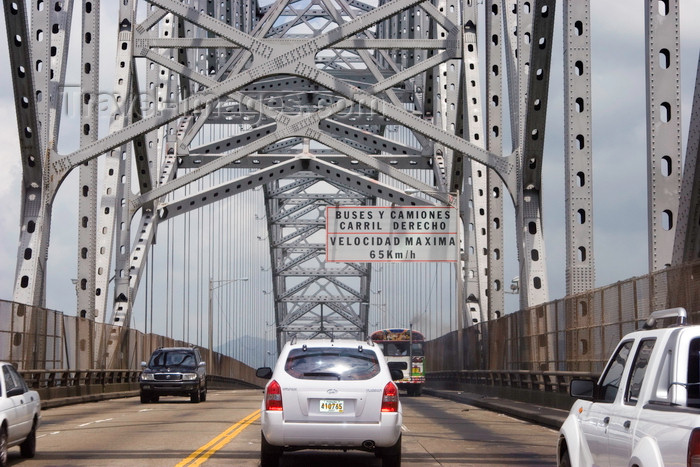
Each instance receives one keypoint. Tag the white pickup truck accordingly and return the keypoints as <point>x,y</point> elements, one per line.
<point>645,408</point>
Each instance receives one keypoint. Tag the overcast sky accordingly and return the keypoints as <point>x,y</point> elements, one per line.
<point>619,151</point>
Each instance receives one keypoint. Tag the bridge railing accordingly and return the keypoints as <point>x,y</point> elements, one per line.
<point>545,388</point>
<point>575,333</point>
<point>63,387</point>
<point>35,338</point>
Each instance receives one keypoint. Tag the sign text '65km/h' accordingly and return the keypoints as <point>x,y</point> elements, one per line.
<point>398,233</point>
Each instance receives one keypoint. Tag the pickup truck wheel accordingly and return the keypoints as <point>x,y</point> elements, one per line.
<point>3,447</point>
<point>195,397</point>
<point>28,446</point>
<point>564,460</point>
<point>203,395</point>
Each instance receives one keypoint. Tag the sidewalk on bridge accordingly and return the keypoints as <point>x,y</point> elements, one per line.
<point>545,416</point>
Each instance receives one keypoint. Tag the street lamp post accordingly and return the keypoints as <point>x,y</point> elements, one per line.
<point>212,286</point>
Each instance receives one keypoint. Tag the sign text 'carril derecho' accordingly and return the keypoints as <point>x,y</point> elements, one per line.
<point>399,233</point>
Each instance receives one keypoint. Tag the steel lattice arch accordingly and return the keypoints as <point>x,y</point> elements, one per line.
<point>318,103</point>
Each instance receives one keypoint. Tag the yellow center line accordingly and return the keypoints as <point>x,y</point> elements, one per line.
<point>221,440</point>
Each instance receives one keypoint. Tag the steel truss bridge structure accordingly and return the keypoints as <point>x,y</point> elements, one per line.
<point>328,103</point>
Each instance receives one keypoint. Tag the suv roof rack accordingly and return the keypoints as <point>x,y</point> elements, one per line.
<point>679,313</point>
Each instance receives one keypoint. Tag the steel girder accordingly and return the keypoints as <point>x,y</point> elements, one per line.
<point>664,141</point>
<point>494,51</point>
<point>687,242</point>
<point>535,30</point>
<point>580,264</point>
<point>87,195</point>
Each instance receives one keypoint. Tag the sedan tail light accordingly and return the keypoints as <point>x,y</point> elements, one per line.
<point>390,398</point>
<point>694,448</point>
<point>273,396</point>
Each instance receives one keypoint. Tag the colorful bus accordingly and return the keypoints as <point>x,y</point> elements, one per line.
<point>404,346</point>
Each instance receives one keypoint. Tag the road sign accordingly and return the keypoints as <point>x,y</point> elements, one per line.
<point>391,234</point>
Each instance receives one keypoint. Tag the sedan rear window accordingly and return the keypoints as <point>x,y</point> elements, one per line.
<point>332,363</point>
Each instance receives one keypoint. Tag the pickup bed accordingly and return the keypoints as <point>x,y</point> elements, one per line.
<point>645,408</point>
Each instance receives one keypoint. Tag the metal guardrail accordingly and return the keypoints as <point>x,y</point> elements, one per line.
<point>46,379</point>
<point>544,388</point>
<point>64,387</point>
<point>547,381</point>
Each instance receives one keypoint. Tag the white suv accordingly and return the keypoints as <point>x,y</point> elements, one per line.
<point>331,394</point>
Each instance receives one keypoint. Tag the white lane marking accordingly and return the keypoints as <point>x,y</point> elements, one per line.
<point>404,428</point>
<point>96,421</point>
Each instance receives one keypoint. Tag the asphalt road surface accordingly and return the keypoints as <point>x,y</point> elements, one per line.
<point>225,430</point>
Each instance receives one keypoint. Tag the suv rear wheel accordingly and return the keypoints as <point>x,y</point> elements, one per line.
<point>391,456</point>
<point>269,454</point>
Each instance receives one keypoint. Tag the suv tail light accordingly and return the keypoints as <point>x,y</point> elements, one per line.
<point>273,396</point>
<point>390,398</point>
<point>694,448</point>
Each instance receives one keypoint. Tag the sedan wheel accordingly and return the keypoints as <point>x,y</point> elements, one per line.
<point>3,447</point>
<point>28,446</point>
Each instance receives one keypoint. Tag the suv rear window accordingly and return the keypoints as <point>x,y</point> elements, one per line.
<point>185,358</point>
<point>332,363</point>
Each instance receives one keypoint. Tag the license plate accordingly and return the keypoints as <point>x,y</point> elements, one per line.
<point>331,406</point>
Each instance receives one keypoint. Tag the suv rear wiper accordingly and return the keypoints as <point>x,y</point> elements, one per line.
<point>322,374</point>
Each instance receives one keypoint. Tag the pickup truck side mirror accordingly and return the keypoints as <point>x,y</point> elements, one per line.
<point>582,388</point>
<point>264,372</point>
